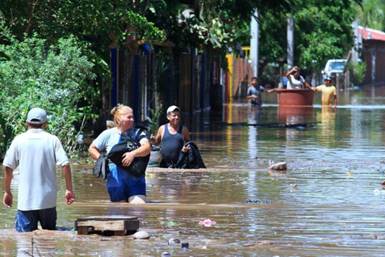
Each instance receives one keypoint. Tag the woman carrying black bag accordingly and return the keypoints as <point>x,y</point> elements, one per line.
<point>124,181</point>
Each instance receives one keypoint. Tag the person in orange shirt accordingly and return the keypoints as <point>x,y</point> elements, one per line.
<point>329,92</point>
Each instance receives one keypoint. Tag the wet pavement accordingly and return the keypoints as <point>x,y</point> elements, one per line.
<point>329,202</point>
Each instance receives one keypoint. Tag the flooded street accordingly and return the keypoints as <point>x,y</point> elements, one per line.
<point>330,202</point>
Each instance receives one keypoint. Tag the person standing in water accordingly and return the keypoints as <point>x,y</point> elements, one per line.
<point>36,153</point>
<point>121,185</point>
<point>329,92</point>
<point>172,138</point>
<point>254,93</point>
<point>295,80</point>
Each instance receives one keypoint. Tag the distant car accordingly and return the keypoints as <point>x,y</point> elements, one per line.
<point>334,67</point>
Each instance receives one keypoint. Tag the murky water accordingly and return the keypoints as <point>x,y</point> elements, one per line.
<point>329,203</point>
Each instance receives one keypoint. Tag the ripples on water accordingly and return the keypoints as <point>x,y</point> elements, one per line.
<point>328,203</point>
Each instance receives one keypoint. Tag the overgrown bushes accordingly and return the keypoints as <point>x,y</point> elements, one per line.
<point>358,71</point>
<point>55,77</point>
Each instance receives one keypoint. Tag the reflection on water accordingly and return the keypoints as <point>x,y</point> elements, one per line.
<point>329,203</point>
<point>253,115</point>
<point>295,115</point>
<point>327,119</point>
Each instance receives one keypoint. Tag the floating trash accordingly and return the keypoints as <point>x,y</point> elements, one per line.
<point>378,192</point>
<point>173,241</point>
<point>207,223</point>
<point>141,235</point>
<point>258,201</point>
<point>293,187</point>
<point>165,254</point>
<point>279,166</point>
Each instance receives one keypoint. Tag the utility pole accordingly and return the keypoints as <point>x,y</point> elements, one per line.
<point>290,41</point>
<point>357,42</point>
<point>254,32</point>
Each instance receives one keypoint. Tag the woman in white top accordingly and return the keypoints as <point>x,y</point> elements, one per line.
<point>295,80</point>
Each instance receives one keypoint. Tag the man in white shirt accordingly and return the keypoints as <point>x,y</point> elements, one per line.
<point>36,153</point>
<point>295,80</point>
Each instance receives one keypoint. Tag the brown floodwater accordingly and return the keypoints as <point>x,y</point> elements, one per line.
<point>330,202</point>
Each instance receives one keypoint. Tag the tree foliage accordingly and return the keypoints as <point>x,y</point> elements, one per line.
<point>208,23</point>
<point>358,71</point>
<point>371,13</point>
<point>224,23</point>
<point>54,77</point>
<point>322,31</point>
<point>322,27</point>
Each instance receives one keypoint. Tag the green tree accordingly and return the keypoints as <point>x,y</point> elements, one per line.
<point>322,31</point>
<point>224,23</point>
<point>358,71</point>
<point>54,77</point>
<point>213,23</point>
<point>99,22</point>
<point>371,13</point>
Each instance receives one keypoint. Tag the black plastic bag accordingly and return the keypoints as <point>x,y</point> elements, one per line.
<point>139,164</point>
<point>101,167</point>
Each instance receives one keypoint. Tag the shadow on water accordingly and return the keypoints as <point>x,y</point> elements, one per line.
<point>328,203</point>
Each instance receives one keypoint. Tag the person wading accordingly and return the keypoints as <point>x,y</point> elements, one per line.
<point>254,93</point>
<point>121,184</point>
<point>328,91</point>
<point>36,153</point>
<point>172,138</point>
<point>295,80</point>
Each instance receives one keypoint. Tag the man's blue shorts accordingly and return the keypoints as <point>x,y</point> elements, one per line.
<point>26,221</point>
<point>121,185</point>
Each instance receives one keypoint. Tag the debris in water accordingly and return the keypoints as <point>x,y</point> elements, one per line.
<point>293,187</point>
<point>207,223</point>
<point>173,241</point>
<point>185,245</point>
<point>258,201</point>
<point>378,192</point>
<point>141,235</point>
<point>281,166</point>
<point>165,254</point>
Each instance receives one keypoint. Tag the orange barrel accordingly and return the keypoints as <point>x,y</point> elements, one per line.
<point>295,97</point>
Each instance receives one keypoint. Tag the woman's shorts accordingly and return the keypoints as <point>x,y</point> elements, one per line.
<point>121,185</point>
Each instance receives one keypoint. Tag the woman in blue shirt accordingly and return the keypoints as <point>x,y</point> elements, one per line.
<point>121,185</point>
